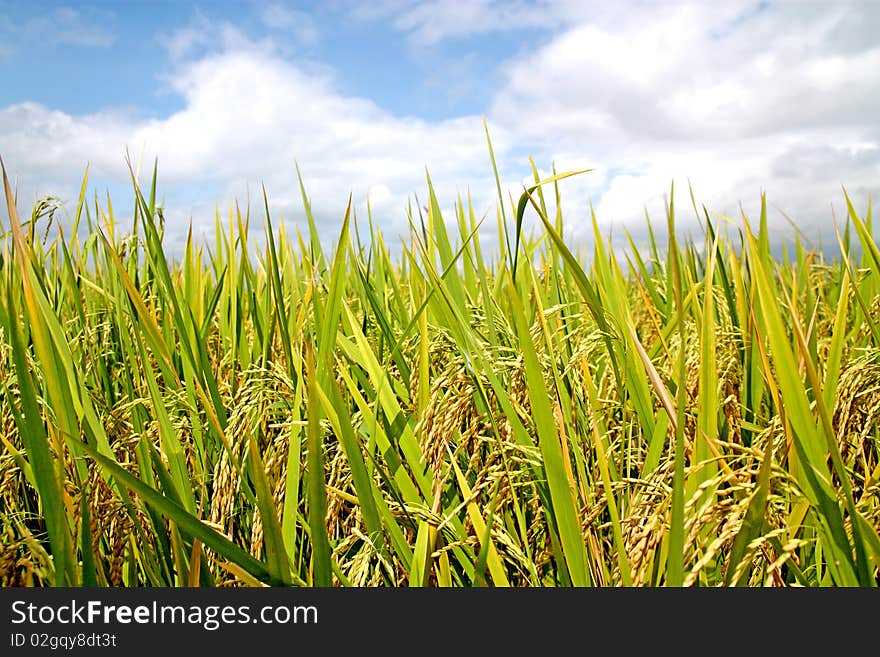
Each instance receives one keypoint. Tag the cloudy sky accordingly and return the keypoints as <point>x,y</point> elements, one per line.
<point>733,97</point>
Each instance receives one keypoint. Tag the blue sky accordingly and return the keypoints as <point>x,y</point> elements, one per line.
<point>86,57</point>
<point>734,97</point>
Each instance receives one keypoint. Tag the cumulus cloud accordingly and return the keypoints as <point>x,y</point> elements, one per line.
<point>47,142</point>
<point>248,115</point>
<point>734,98</point>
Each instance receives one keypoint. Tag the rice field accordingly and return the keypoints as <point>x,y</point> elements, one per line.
<point>435,412</point>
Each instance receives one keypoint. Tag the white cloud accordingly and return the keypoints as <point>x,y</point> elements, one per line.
<point>188,39</point>
<point>728,96</point>
<point>48,144</point>
<point>202,37</point>
<point>248,115</point>
<point>736,98</point>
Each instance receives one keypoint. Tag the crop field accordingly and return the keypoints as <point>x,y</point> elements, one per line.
<point>436,412</point>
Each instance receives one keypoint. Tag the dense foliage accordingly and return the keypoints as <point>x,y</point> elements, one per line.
<point>684,413</point>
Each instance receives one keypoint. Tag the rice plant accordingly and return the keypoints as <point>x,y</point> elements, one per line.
<point>438,413</point>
